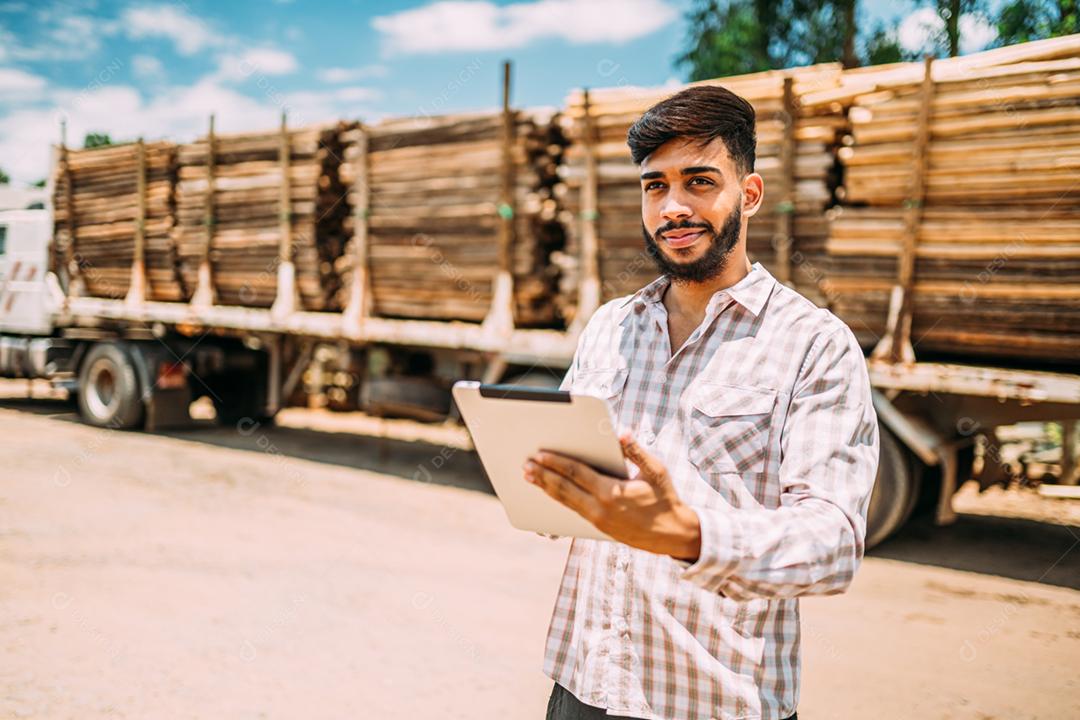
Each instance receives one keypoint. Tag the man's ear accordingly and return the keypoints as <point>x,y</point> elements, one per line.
<point>753,194</point>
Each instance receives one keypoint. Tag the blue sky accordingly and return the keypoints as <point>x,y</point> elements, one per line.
<point>159,68</point>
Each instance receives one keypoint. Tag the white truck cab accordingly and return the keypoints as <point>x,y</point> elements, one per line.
<point>27,304</point>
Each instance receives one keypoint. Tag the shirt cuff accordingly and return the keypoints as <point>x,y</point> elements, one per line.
<point>721,549</point>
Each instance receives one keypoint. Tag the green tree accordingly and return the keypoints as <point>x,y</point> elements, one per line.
<point>725,39</point>
<point>733,37</point>
<point>1026,20</point>
<point>950,12</point>
<point>882,47</point>
<point>94,140</point>
<point>40,183</point>
<point>4,178</point>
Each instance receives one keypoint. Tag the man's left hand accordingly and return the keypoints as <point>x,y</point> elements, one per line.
<point>644,512</point>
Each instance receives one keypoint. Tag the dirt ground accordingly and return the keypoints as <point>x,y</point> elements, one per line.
<point>307,571</point>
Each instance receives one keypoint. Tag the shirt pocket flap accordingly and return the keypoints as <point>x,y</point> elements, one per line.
<point>721,400</point>
<point>605,383</point>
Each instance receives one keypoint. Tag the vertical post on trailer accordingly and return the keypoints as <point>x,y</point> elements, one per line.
<point>785,211</point>
<point>76,285</point>
<point>359,304</point>
<point>896,345</point>
<point>589,296</point>
<point>500,317</point>
<point>136,294</point>
<point>285,303</point>
<point>204,295</point>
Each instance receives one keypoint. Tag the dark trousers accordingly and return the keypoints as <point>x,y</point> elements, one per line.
<point>562,705</point>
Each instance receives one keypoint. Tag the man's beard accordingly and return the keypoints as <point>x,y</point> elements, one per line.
<point>709,265</point>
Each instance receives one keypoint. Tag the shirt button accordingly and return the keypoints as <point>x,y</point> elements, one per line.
<point>650,437</point>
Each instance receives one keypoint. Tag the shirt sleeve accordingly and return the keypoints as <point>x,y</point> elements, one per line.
<point>568,379</point>
<point>814,541</point>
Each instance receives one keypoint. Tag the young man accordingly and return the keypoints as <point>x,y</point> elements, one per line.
<point>755,444</point>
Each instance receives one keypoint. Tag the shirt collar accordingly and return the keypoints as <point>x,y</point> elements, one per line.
<point>751,292</point>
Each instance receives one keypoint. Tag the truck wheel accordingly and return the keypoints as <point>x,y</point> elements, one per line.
<point>895,490</point>
<point>108,391</point>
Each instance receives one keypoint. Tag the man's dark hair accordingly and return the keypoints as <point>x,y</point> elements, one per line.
<point>702,113</point>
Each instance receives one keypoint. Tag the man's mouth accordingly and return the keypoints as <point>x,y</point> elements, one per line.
<point>683,237</point>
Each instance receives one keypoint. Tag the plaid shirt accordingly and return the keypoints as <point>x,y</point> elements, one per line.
<point>764,420</point>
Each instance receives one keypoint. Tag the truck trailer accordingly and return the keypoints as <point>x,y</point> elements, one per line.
<point>136,364</point>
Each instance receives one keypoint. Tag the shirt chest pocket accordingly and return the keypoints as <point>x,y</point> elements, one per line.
<point>728,427</point>
<point>606,383</point>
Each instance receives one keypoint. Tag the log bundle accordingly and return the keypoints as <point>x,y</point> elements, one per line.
<point>97,208</point>
<point>230,203</point>
<point>997,222</point>
<point>428,191</point>
<point>976,209</point>
<point>799,187</point>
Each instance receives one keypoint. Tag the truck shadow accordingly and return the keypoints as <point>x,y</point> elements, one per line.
<point>412,460</point>
<point>1009,547</point>
<point>1016,548</point>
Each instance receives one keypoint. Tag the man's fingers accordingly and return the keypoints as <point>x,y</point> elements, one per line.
<point>562,489</point>
<point>577,472</point>
<point>652,468</point>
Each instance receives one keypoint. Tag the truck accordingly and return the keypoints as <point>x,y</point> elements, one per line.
<point>893,203</point>
<point>137,364</point>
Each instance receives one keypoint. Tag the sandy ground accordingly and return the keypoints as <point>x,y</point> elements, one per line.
<point>305,571</point>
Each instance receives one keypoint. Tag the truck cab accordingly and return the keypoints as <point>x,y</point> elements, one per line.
<point>26,303</point>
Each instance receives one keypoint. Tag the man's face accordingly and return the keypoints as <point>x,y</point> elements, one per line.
<point>692,208</point>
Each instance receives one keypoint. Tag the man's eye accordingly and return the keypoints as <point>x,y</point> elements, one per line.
<point>704,181</point>
<point>653,186</point>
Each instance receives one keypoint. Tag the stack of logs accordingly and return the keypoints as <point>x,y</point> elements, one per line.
<point>992,220</point>
<point>235,208</point>
<point>955,180</point>
<point>429,192</point>
<point>101,198</point>
<point>795,156</point>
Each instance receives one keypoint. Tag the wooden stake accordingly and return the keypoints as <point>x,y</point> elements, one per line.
<point>204,289</point>
<point>287,295</point>
<point>896,345</point>
<point>589,284</point>
<point>76,286</point>
<point>359,302</point>
<point>785,212</point>
<point>136,294</point>
<point>500,318</point>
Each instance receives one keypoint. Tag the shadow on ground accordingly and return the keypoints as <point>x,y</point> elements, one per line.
<point>420,461</point>
<point>1009,547</point>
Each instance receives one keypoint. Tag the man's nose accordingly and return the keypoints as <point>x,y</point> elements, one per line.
<point>674,208</point>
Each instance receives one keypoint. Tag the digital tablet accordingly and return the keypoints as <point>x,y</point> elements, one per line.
<point>509,423</point>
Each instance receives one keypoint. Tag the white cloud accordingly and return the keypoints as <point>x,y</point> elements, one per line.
<point>258,61</point>
<point>62,36</point>
<point>337,75</point>
<point>919,31</point>
<point>177,113</point>
<point>147,67</point>
<point>20,85</point>
<point>476,25</point>
<point>976,33</point>
<point>188,33</point>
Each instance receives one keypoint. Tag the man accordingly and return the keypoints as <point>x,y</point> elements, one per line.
<point>753,445</point>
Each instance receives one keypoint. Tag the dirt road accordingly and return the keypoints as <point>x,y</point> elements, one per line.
<point>292,572</point>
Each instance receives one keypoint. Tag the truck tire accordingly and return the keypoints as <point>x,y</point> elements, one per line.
<point>108,392</point>
<point>895,490</point>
